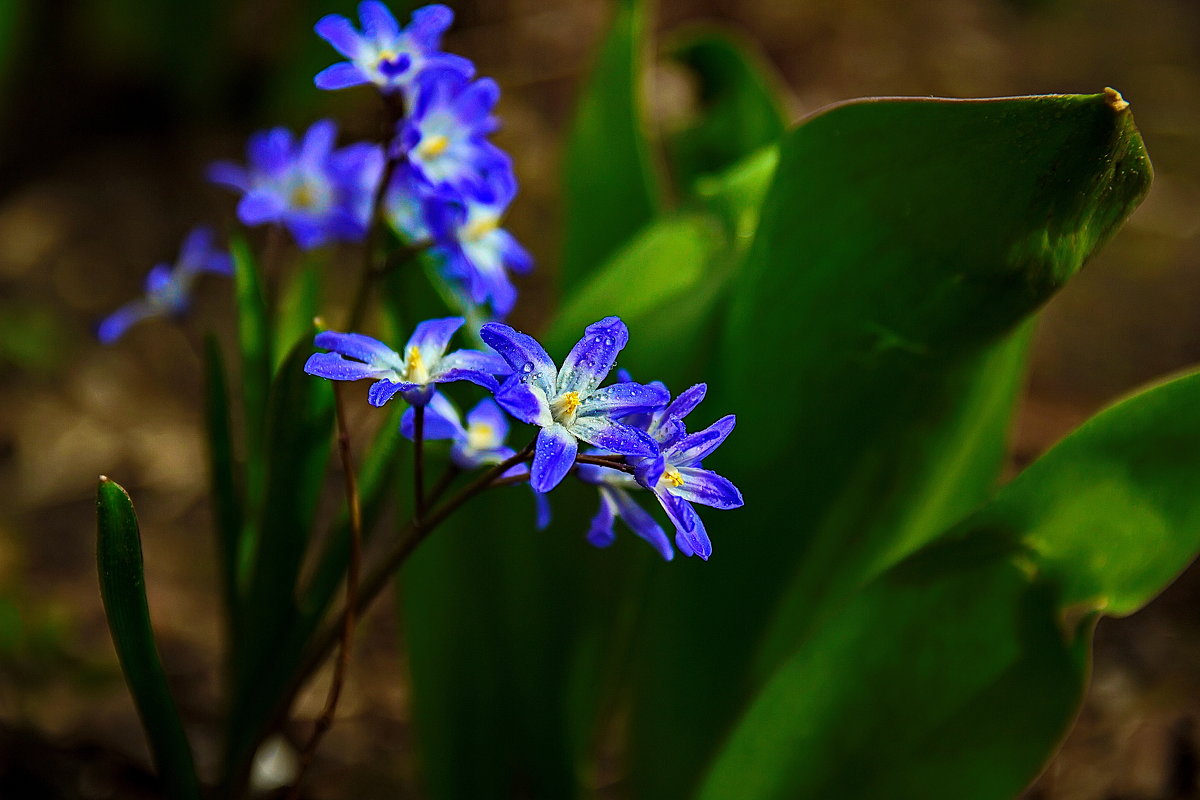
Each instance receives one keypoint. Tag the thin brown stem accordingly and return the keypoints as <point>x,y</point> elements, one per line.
<point>349,618</point>
<point>605,461</point>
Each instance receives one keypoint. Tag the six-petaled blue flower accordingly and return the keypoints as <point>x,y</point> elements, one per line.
<point>677,475</point>
<point>444,138</point>
<point>423,364</point>
<point>169,288</point>
<point>567,404</point>
<point>385,54</point>
<point>320,194</point>
<point>476,252</point>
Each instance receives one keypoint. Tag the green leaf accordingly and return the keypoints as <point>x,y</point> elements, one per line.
<point>740,110</point>
<point>300,303</point>
<point>123,590</point>
<point>1109,514</point>
<point>611,185</point>
<point>900,242</point>
<point>947,678</point>
<point>254,342</point>
<point>222,472</point>
<point>663,284</point>
<point>944,703</point>
<point>298,446</point>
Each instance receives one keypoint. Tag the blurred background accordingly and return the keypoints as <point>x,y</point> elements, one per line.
<point>109,112</point>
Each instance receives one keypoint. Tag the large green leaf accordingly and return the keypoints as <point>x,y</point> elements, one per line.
<point>939,699</point>
<point>740,110</point>
<point>901,240</point>
<point>123,590</point>
<point>610,179</point>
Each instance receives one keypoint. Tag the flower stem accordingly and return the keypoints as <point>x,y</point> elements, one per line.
<point>349,618</point>
<point>606,461</point>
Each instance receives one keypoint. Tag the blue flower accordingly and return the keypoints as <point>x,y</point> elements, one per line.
<point>320,194</point>
<point>678,479</point>
<point>476,252</point>
<point>481,442</point>
<point>566,403</point>
<point>168,289</point>
<point>615,501</point>
<point>385,54</point>
<point>444,138</point>
<point>407,206</point>
<point>424,363</point>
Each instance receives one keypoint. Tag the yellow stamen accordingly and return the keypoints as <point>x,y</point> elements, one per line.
<point>480,437</point>
<point>414,366</point>
<point>433,146</point>
<point>481,227</point>
<point>303,196</point>
<point>570,402</point>
<point>673,477</point>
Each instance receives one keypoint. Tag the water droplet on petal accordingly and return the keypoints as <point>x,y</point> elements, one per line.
<point>528,367</point>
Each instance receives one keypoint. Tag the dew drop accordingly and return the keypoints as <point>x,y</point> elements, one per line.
<point>528,368</point>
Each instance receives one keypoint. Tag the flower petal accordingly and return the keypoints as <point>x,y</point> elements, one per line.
<point>615,437</point>
<point>707,488</point>
<point>227,173</point>
<point>357,345</point>
<point>640,521</point>
<point>490,363</point>
<point>690,450</point>
<point>428,23</point>
<point>528,359</point>
<point>526,403</point>
<point>553,458</point>
<point>474,376</point>
<point>690,536</point>
<point>686,401</point>
<point>258,207</point>
<point>384,390</point>
<point>336,368</point>
<point>441,420</point>
<point>620,399</point>
<point>341,75</point>
<point>591,359</point>
<point>339,32</point>
<point>113,326</point>
<point>432,336</point>
<point>601,533</point>
<point>377,21</point>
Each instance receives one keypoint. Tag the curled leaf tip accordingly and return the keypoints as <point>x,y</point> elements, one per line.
<point>1114,99</point>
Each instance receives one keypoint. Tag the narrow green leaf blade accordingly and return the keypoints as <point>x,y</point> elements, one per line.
<point>254,342</point>
<point>611,185</point>
<point>298,306</point>
<point>222,471</point>
<point>740,107</point>
<point>123,590</point>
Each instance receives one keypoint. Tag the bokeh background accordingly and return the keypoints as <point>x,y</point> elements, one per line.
<point>109,112</point>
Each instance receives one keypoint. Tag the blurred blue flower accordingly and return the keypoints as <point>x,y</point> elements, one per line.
<point>616,502</point>
<point>678,479</point>
<point>168,288</point>
<point>444,138</point>
<point>476,253</point>
<point>407,206</point>
<point>567,403</point>
<point>385,54</point>
<point>424,363</point>
<point>320,194</point>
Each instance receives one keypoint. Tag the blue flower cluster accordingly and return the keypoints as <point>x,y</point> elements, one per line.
<point>448,185</point>
<point>638,435</point>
